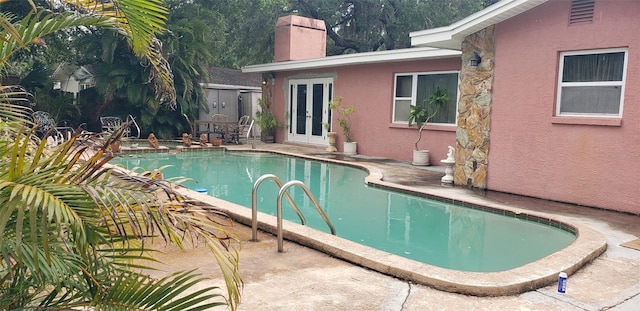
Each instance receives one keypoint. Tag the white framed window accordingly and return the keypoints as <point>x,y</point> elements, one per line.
<point>412,89</point>
<point>591,83</point>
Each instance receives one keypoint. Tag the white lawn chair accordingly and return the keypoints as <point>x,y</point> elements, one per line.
<point>111,124</point>
<point>47,129</point>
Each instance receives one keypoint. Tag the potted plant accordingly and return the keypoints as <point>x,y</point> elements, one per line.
<point>421,114</point>
<point>267,122</point>
<point>349,146</point>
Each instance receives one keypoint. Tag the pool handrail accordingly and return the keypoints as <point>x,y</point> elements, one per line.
<point>254,204</point>
<point>283,191</point>
<point>250,134</point>
<point>133,120</point>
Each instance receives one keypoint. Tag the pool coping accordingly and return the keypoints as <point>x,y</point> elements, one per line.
<point>588,245</point>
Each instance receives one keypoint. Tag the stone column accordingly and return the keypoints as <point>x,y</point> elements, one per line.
<point>474,110</point>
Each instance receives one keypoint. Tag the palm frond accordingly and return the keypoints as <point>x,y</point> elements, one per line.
<point>136,20</point>
<point>140,22</point>
<point>37,25</point>
<point>133,291</point>
<point>71,226</point>
<point>7,25</point>
<point>14,104</point>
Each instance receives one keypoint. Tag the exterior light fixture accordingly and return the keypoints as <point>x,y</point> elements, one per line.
<point>272,77</point>
<point>475,60</point>
<point>268,78</point>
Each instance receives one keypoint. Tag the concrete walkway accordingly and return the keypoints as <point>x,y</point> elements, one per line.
<point>305,279</point>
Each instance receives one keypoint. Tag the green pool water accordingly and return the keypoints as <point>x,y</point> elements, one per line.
<point>428,231</point>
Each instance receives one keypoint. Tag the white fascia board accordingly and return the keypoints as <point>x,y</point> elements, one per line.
<point>433,35</point>
<point>400,55</point>
<point>229,87</point>
<point>451,36</point>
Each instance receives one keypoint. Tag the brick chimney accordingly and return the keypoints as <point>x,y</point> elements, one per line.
<point>299,38</point>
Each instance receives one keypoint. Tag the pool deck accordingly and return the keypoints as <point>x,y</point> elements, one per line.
<point>302,278</point>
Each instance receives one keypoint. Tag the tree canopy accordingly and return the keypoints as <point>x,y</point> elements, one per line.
<point>374,25</point>
<point>353,26</point>
<point>202,34</point>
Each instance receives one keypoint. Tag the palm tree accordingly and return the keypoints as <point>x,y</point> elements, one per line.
<point>69,227</point>
<point>121,85</point>
<point>195,34</point>
<point>138,21</point>
<point>72,230</point>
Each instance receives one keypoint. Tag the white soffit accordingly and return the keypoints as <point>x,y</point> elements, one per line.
<point>450,37</point>
<point>400,55</point>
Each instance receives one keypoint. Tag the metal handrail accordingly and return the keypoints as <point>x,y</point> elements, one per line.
<point>136,124</point>
<point>254,204</point>
<point>250,134</point>
<point>283,191</point>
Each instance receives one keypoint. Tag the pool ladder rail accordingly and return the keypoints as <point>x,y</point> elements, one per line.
<point>133,120</point>
<point>281,193</point>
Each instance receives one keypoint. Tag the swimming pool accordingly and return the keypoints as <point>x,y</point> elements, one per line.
<point>432,232</point>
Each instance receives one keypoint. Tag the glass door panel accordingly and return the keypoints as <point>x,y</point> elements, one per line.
<point>301,110</point>
<point>316,110</point>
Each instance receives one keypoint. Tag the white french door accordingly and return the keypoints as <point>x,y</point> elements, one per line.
<point>309,109</point>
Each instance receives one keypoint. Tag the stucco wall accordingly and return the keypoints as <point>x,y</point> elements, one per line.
<point>370,89</point>
<point>535,154</point>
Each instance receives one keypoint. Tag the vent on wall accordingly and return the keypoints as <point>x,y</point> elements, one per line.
<point>581,11</point>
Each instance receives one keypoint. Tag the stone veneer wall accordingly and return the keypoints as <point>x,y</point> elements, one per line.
<point>474,110</point>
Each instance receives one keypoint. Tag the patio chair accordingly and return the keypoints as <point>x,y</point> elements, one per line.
<point>218,117</point>
<point>110,124</point>
<point>245,127</point>
<point>46,127</point>
<point>218,127</point>
<point>236,131</point>
<point>201,128</point>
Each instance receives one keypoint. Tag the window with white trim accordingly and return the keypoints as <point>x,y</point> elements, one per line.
<point>591,83</point>
<point>414,88</point>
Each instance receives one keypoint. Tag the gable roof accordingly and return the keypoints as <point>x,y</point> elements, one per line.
<point>64,71</point>
<point>417,53</point>
<point>450,37</point>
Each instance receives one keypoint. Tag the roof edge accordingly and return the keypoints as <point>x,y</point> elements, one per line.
<point>229,87</point>
<point>356,59</point>
<point>451,36</point>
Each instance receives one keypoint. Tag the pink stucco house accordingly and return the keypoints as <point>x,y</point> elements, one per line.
<point>547,97</point>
